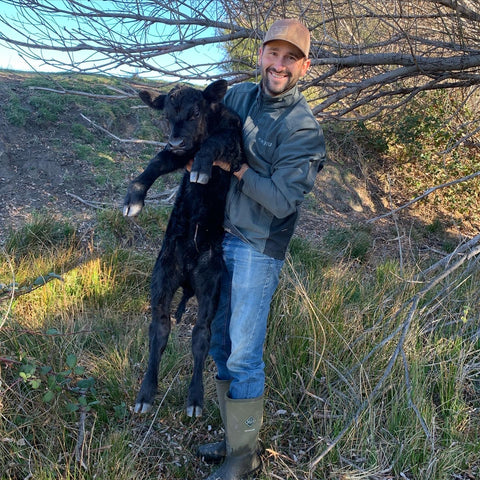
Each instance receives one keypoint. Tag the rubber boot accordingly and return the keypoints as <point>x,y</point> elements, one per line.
<point>217,451</point>
<point>243,419</point>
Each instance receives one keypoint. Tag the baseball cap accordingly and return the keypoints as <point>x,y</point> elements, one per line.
<point>292,31</point>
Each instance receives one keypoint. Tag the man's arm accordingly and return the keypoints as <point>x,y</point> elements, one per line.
<point>293,174</point>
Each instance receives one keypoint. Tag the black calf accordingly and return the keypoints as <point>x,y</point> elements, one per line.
<point>204,130</point>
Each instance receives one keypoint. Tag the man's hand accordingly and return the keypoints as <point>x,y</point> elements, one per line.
<point>239,173</point>
<point>226,166</point>
<point>223,165</point>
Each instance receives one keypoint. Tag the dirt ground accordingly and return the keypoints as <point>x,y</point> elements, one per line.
<point>39,172</point>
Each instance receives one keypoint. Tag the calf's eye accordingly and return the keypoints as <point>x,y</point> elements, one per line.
<point>195,113</point>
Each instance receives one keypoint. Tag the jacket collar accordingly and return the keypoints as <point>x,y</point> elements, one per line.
<point>287,98</point>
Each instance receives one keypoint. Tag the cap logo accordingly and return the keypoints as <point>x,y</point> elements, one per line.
<point>278,30</point>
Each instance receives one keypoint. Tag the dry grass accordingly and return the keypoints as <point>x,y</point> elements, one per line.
<point>370,374</point>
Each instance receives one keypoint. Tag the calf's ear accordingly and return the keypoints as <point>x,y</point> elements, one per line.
<point>158,102</point>
<point>215,91</point>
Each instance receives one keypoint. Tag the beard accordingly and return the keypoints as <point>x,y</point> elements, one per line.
<point>277,85</point>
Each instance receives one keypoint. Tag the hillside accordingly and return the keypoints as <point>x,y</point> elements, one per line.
<point>49,155</point>
<point>373,347</point>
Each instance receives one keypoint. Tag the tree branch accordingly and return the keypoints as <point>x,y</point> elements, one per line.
<point>424,195</point>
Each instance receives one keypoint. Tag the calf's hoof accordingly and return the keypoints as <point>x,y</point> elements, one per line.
<point>132,210</point>
<point>142,407</point>
<point>198,177</point>
<point>194,410</point>
<point>145,397</point>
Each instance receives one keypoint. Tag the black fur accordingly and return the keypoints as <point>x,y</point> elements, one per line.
<point>205,130</point>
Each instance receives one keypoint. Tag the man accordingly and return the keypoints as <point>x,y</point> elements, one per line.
<point>284,149</point>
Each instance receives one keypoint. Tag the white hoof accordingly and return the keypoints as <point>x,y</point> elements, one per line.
<point>142,407</point>
<point>197,411</point>
<point>197,177</point>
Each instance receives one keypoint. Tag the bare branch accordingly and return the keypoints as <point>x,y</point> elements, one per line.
<point>410,310</point>
<point>367,56</point>
<point>424,195</point>
<point>122,140</point>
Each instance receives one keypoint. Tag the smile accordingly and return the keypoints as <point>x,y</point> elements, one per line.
<point>278,75</point>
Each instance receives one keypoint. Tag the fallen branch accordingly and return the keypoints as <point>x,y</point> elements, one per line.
<point>399,349</point>
<point>446,260</point>
<point>14,290</point>
<point>425,194</point>
<point>165,197</point>
<point>122,140</point>
<point>90,203</point>
<point>10,295</point>
<point>79,446</point>
<point>122,96</point>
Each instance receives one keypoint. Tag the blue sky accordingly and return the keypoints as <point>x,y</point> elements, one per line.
<point>10,59</point>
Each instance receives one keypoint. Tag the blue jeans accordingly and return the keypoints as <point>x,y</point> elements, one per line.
<point>240,324</point>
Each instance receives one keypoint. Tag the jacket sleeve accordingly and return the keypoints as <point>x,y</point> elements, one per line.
<point>294,167</point>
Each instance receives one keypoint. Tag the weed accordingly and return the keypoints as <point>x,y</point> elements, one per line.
<point>43,232</point>
<point>353,242</point>
<point>16,114</point>
<point>73,349</point>
<point>81,132</point>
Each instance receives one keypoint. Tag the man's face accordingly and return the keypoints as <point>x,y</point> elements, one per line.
<point>282,65</point>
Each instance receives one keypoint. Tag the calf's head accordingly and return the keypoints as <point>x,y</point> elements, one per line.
<point>187,110</point>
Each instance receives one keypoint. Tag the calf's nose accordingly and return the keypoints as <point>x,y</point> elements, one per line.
<point>176,142</point>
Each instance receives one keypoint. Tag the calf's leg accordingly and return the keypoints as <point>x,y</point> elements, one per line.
<point>207,289</point>
<point>164,285</point>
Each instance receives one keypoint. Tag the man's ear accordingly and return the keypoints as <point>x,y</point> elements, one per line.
<point>259,57</point>
<point>305,66</point>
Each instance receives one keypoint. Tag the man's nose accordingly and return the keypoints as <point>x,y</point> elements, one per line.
<point>280,63</point>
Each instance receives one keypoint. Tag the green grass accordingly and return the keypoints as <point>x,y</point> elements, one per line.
<point>84,340</point>
<point>74,341</point>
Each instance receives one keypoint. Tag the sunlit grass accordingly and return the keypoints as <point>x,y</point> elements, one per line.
<point>333,328</point>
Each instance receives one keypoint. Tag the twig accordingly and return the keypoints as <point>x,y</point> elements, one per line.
<point>91,203</point>
<point>170,194</point>
<point>460,141</point>
<point>81,436</point>
<point>9,360</point>
<point>410,399</point>
<point>155,416</point>
<point>425,194</point>
<point>122,140</point>
<point>445,260</point>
